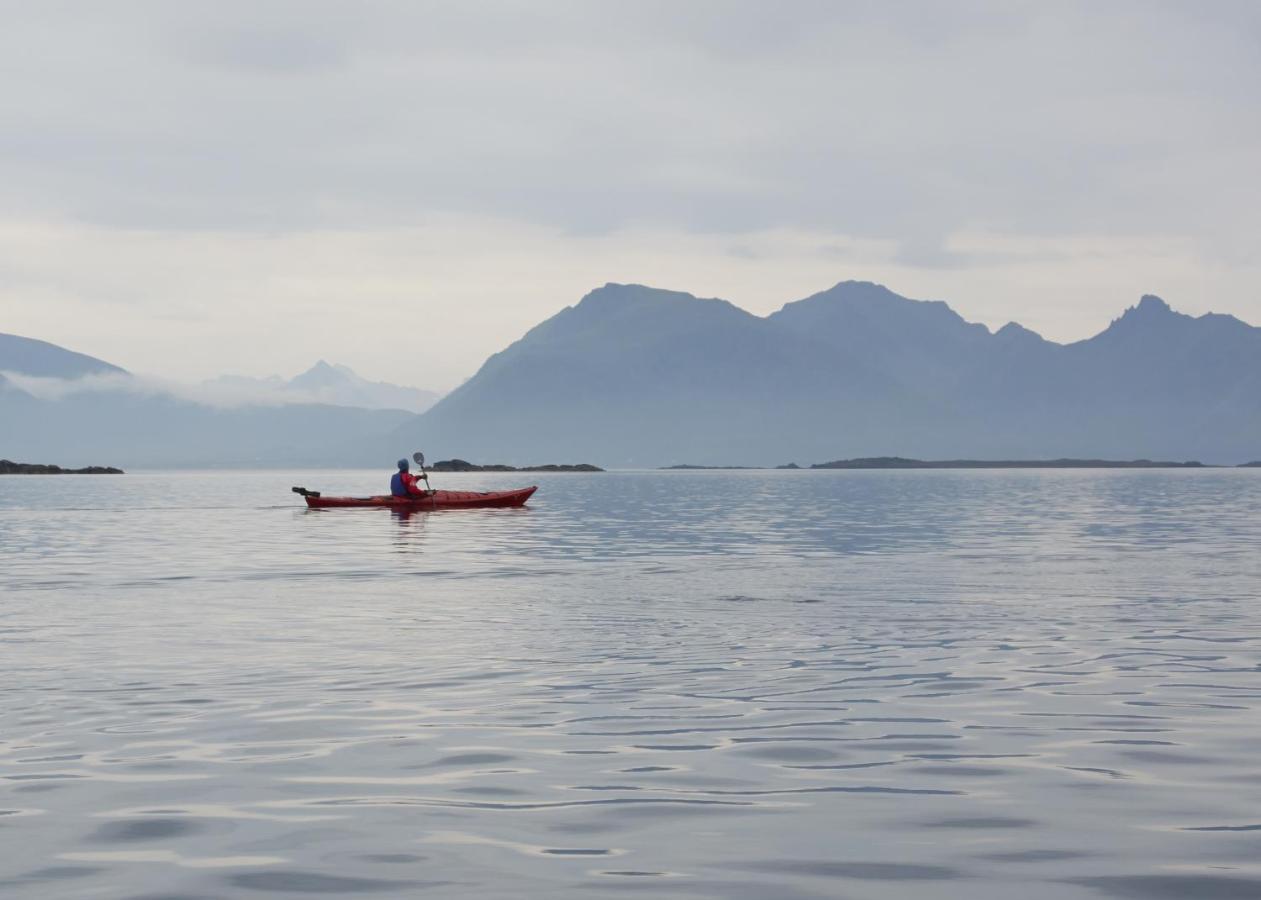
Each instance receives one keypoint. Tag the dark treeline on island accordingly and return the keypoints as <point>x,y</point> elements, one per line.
<point>461,465</point>
<point>8,467</point>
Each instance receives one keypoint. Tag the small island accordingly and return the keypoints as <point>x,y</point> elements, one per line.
<point>462,465</point>
<point>8,467</point>
<point>690,467</point>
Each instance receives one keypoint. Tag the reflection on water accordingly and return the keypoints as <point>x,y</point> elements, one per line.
<point>747,684</point>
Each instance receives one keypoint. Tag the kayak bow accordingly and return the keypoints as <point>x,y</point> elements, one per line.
<point>429,500</point>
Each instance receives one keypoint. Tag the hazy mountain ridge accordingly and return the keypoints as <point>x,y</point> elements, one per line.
<point>326,383</point>
<point>64,406</point>
<point>636,375</point>
<point>132,430</point>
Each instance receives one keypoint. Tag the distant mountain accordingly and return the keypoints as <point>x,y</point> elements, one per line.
<point>633,375</point>
<point>136,430</point>
<point>640,376</point>
<point>40,359</point>
<point>916,341</point>
<point>127,421</point>
<point>327,383</point>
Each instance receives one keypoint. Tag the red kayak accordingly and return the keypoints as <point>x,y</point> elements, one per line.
<point>430,500</point>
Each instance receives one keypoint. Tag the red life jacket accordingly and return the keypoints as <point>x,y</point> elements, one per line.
<point>409,482</point>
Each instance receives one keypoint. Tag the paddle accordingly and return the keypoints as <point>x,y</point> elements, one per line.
<point>419,459</point>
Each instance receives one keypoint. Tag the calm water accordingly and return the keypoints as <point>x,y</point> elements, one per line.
<point>693,685</point>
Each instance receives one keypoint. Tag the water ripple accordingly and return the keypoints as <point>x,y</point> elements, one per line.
<point>797,685</point>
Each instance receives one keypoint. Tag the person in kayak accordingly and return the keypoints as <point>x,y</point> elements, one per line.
<point>403,483</point>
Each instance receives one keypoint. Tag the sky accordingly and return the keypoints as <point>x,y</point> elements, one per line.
<point>189,189</point>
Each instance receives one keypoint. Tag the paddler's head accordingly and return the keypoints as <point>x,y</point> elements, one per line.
<point>402,465</point>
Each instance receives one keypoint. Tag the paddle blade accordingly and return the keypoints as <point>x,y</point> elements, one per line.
<point>418,458</point>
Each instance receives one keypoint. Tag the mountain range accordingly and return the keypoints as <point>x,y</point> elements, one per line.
<point>634,375</point>
<point>57,405</point>
<point>638,376</point>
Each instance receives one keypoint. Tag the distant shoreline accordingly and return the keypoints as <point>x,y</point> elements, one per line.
<point>901,462</point>
<point>8,467</point>
<point>460,465</point>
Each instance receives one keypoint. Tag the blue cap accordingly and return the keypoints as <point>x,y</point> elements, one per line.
<point>402,465</point>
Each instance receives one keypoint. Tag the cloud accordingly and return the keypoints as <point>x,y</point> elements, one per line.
<point>60,388</point>
<point>220,393</point>
<point>863,120</point>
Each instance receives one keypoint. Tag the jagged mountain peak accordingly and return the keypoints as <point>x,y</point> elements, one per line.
<point>1014,331</point>
<point>325,382</point>
<point>1153,323</point>
<point>324,373</point>
<point>1150,308</point>
<point>325,367</point>
<point>1151,315</point>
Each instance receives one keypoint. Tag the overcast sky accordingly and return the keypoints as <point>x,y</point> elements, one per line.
<point>195,188</point>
